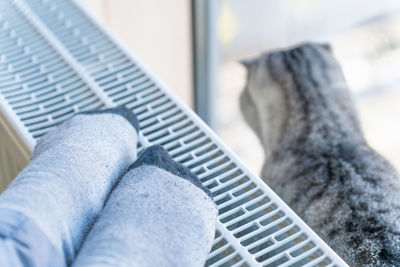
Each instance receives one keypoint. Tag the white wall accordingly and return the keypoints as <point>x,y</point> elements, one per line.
<point>158,32</point>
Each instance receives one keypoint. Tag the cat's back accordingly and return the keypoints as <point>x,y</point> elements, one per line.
<point>348,193</point>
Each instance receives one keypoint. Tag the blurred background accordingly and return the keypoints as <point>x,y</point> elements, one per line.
<point>193,47</point>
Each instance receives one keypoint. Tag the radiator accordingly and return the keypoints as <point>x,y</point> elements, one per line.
<point>56,60</point>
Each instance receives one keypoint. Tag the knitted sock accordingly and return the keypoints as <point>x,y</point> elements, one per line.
<point>73,169</point>
<point>159,214</point>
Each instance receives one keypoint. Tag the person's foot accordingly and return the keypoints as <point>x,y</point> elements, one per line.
<point>159,214</point>
<point>73,169</point>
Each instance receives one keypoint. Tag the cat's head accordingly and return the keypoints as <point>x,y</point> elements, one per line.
<point>273,88</point>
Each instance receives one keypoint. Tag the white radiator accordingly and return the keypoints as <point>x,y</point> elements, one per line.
<point>55,60</point>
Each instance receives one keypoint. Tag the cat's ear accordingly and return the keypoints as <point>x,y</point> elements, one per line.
<point>327,47</point>
<point>246,63</point>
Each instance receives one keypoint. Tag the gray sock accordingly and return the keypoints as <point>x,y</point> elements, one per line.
<point>159,214</point>
<point>73,169</point>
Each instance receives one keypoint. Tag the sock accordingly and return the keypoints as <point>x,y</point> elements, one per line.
<point>159,214</point>
<point>72,170</point>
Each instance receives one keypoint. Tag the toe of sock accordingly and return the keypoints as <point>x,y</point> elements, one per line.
<point>159,157</point>
<point>122,111</point>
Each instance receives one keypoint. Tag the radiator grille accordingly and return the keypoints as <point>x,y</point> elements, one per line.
<point>37,83</point>
<point>55,60</point>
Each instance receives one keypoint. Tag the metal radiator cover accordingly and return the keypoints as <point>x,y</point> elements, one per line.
<point>56,60</point>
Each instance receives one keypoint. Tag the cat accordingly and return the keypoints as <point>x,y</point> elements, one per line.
<point>316,156</point>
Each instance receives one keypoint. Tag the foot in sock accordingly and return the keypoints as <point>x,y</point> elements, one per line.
<point>73,169</point>
<point>159,214</point>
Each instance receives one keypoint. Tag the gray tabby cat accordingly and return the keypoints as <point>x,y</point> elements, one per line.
<point>317,159</point>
